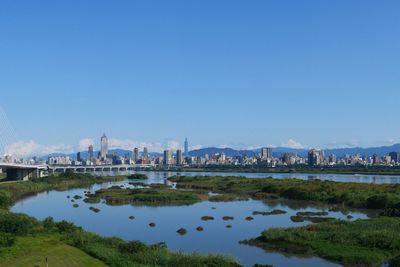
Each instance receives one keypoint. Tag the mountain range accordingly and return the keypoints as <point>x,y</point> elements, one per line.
<point>277,152</point>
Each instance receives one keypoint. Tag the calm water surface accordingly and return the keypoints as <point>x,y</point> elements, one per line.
<point>216,238</point>
<point>355,178</point>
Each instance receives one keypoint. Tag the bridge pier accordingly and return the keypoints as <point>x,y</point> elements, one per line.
<point>23,174</point>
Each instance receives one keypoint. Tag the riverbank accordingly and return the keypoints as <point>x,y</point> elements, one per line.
<point>12,191</point>
<point>360,243</point>
<point>18,230</point>
<point>351,170</point>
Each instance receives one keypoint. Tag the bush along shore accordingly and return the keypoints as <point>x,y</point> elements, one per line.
<point>385,197</point>
<point>12,191</point>
<point>359,243</point>
<point>17,229</point>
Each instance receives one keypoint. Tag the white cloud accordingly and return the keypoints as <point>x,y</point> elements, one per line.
<point>85,143</point>
<point>196,147</point>
<point>22,148</point>
<point>348,144</point>
<point>30,148</point>
<point>390,141</point>
<point>222,146</point>
<point>293,144</point>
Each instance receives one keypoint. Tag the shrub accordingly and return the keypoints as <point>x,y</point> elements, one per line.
<point>17,224</point>
<point>132,247</point>
<point>6,240</point>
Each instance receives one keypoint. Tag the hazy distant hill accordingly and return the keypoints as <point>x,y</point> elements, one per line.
<point>277,152</point>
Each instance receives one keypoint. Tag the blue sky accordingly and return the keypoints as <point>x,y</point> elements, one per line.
<point>223,73</point>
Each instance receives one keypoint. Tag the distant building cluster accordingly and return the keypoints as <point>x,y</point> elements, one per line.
<point>183,158</point>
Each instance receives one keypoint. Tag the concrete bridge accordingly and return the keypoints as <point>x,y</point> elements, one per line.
<point>26,172</point>
<point>98,168</point>
<point>23,172</point>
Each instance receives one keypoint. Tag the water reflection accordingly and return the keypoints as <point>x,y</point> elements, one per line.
<point>355,178</point>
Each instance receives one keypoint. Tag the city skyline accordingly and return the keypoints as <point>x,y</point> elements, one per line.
<point>235,75</point>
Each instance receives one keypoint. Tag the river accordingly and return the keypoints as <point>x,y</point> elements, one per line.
<point>216,237</point>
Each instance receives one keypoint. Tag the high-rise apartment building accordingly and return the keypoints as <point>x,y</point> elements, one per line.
<point>266,153</point>
<point>135,155</point>
<point>179,159</point>
<point>104,147</point>
<point>186,148</point>
<point>167,157</point>
<point>90,152</point>
<point>315,157</point>
<point>395,156</point>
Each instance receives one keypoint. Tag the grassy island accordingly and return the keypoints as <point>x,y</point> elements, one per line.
<point>138,176</point>
<point>144,196</point>
<point>359,243</point>
<point>354,195</point>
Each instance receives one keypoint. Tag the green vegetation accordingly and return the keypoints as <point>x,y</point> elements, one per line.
<point>354,195</point>
<point>95,210</point>
<point>182,231</point>
<point>33,251</point>
<point>12,191</point>
<point>223,198</point>
<point>378,170</point>
<point>359,243</point>
<point>144,196</point>
<point>207,218</point>
<point>25,241</point>
<point>268,213</point>
<point>138,176</point>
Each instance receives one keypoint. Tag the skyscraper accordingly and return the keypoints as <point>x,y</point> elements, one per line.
<point>167,157</point>
<point>145,153</point>
<point>90,152</point>
<point>186,148</point>
<point>315,157</point>
<point>179,160</point>
<point>104,147</point>
<point>395,156</point>
<point>135,155</point>
<point>266,153</point>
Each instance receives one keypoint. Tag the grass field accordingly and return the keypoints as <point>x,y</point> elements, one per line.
<point>32,252</point>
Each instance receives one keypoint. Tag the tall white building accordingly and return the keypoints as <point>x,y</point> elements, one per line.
<point>167,157</point>
<point>186,151</point>
<point>104,147</point>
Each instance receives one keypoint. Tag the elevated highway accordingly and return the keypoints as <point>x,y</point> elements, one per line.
<point>23,172</point>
